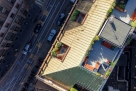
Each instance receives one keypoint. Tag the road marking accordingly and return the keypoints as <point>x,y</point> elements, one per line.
<point>39,45</point>
<point>18,75</point>
<point>46,12</point>
<point>31,56</point>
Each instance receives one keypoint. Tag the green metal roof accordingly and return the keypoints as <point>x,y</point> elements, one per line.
<point>78,75</point>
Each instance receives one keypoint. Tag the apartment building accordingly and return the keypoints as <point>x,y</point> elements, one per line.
<point>85,53</point>
<point>12,15</point>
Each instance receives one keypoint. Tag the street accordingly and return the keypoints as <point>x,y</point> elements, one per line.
<point>40,46</point>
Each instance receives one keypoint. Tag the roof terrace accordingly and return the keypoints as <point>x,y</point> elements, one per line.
<point>100,57</point>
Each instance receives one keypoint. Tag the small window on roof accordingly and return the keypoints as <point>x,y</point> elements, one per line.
<point>60,51</point>
<point>78,16</point>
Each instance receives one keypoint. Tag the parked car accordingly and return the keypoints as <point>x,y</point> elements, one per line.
<point>37,28</point>
<point>60,19</point>
<point>52,33</point>
<point>26,49</point>
<point>72,1</point>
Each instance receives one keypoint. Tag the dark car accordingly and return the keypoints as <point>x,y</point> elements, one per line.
<point>37,28</point>
<point>61,19</point>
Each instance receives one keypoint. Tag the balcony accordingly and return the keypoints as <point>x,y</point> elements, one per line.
<point>60,51</point>
<point>78,17</point>
<point>100,58</point>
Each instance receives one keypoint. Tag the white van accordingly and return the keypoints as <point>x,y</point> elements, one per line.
<point>25,50</point>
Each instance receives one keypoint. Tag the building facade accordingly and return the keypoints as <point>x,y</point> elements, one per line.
<point>12,14</point>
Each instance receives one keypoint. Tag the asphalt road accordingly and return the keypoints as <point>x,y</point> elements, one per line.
<point>40,47</point>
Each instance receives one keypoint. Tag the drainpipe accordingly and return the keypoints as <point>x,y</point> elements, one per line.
<point>122,80</point>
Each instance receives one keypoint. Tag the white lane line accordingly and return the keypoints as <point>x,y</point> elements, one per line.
<point>53,21</point>
<point>34,48</point>
<point>9,84</point>
<point>39,38</point>
<point>17,76</point>
<point>42,29</point>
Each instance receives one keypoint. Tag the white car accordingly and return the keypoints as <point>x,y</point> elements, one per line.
<point>52,33</point>
<point>25,50</point>
<point>73,1</point>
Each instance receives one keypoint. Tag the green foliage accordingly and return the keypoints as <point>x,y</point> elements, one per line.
<point>76,12</point>
<point>55,49</point>
<point>111,9</point>
<point>133,24</point>
<point>113,4</point>
<point>122,6</point>
<point>96,38</point>
<point>112,64</point>
<point>73,89</point>
<point>92,42</point>
<point>58,44</point>
<point>96,73</point>
<point>108,73</point>
<point>54,53</point>
<point>129,40</point>
<point>86,54</point>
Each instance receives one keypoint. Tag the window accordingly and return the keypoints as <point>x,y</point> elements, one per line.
<point>12,15</point>
<point>17,28</point>
<point>12,27</point>
<point>11,1</point>
<point>23,11</point>
<point>3,44</point>
<point>17,6</point>
<point>2,34</point>
<point>7,25</point>
<point>6,12</point>
<point>2,52</point>
<point>13,36</point>
<point>8,45</point>
<point>8,36</point>
<point>1,8</point>
<point>1,23</point>
<point>19,19</point>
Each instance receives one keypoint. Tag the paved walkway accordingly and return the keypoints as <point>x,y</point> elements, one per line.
<point>125,16</point>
